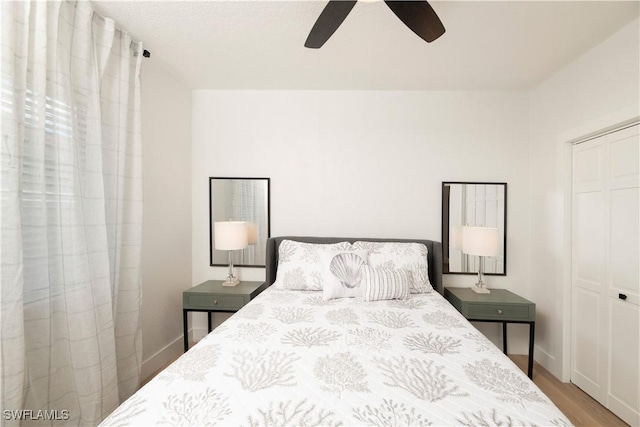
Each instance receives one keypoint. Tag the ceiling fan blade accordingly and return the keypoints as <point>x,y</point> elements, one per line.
<point>328,22</point>
<point>419,16</point>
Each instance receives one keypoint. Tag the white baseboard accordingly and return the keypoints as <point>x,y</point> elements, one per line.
<point>547,361</point>
<point>161,358</point>
<point>168,353</point>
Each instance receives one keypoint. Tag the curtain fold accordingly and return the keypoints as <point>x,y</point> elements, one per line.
<point>249,203</point>
<point>71,211</point>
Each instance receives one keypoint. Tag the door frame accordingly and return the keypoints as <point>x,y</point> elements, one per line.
<point>606,124</point>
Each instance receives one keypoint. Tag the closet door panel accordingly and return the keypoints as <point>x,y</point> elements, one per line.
<point>589,287</point>
<point>624,374</point>
<point>625,157</point>
<point>587,166</point>
<point>587,360</point>
<point>623,396</point>
<point>625,239</point>
<point>589,240</point>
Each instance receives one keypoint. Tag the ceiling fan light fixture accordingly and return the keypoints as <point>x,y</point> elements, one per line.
<point>417,15</point>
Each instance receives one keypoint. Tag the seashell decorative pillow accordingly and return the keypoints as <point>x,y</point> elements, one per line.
<point>399,255</point>
<point>300,264</point>
<point>343,274</point>
<point>384,283</point>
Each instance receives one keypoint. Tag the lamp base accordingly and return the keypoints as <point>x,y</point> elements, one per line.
<point>231,282</point>
<point>480,288</point>
<point>228,283</point>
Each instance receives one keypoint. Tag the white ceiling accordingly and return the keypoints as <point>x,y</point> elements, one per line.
<point>488,45</point>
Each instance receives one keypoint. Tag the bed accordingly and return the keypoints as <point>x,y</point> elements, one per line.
<point>292,357</point>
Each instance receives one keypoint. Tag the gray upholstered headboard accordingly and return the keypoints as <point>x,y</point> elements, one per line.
<point>434,248</point>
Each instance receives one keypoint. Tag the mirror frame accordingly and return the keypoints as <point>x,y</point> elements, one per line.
<point>268,180</point>
<point>445,228</point>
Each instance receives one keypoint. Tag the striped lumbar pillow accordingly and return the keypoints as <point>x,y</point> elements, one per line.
<point>385,283</point>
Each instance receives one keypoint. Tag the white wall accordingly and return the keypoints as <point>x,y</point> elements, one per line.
<point>370,164</point>
<point>358,163</point>
<point>600,88</point>
<point>166,226</point>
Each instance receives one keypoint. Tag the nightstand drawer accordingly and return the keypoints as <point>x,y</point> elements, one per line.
<point>221,302</point>
<point>498,311</point>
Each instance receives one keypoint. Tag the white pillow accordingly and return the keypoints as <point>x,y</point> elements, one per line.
<point>398,255</point>
<point>299,264</point>
<point>343,274</point>
<point>385,283</point>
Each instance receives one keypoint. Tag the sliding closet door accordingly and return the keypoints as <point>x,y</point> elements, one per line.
<point>590,291</point>
<point>624,275</point>
<point>606,271</point>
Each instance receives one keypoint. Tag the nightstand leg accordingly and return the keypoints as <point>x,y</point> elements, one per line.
<point>209,321</point>
<point>504,337</point>
<point>532,335</point>
<point>185,331</point>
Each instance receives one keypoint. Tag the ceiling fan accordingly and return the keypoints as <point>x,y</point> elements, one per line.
<point>418,15</point>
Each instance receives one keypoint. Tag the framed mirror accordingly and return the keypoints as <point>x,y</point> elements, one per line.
<point>240,199</point>
<point>479,204</point>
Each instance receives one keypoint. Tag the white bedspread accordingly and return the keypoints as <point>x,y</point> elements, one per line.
<point>290,358</point>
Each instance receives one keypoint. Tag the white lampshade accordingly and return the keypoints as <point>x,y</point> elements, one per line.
<point>455,239</point>
<point>252,233</point>
<point>231,235</point>
<point>480,241</point>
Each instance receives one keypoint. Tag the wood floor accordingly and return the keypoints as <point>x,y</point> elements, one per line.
<point>578,406</point>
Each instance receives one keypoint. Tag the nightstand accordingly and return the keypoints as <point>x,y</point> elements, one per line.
<point>499,306</point>
<point>212,297</point>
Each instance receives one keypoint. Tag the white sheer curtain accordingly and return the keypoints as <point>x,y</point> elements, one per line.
<point>71,211</point>
<point>249,203</point>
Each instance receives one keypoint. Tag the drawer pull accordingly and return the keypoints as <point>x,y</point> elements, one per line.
<point>499,311</point>
<point>215,302</point>
<point>622,297</point>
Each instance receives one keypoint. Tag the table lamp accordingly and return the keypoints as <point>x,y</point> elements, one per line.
<point>480,241</point>
<point>231,236</point>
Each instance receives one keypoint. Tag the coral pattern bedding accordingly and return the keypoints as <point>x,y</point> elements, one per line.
<point>290,357</point>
